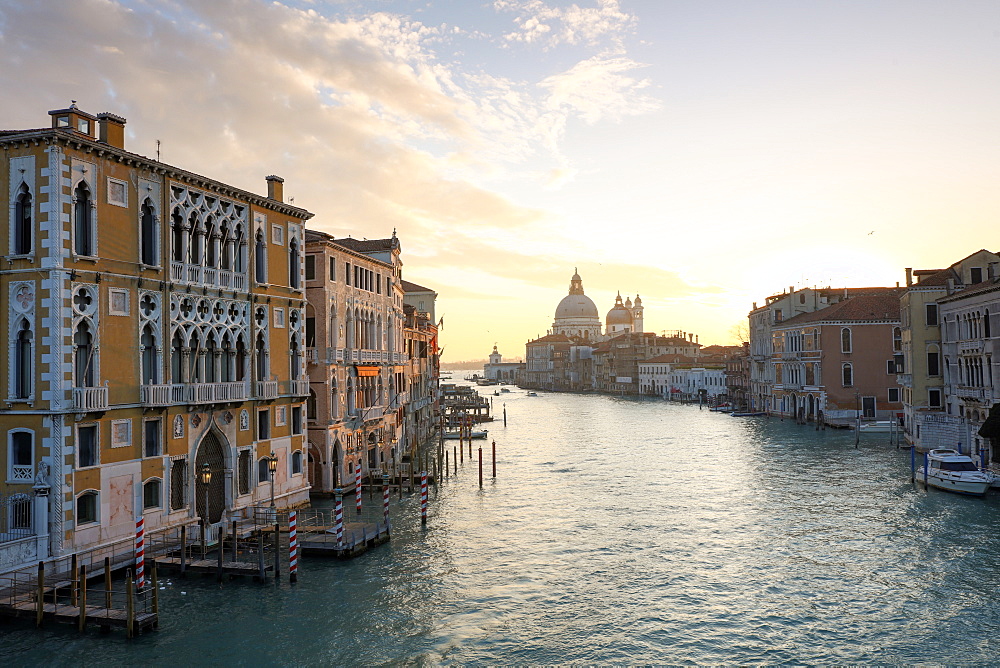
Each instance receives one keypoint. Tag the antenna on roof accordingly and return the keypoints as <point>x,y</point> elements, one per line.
<point>157,150</point>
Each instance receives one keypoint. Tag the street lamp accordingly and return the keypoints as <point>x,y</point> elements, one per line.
<point>206,479</point>
<point>272,467</point>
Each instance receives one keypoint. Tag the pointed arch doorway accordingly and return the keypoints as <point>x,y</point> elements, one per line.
<point>211,452</point>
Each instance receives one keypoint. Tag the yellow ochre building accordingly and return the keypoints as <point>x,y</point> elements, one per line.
<point>156,330</point>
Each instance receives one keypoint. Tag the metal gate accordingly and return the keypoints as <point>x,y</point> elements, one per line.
<point>210,451</point>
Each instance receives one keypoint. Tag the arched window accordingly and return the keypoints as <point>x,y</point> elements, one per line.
<point>150,368</point>
<point>987,329</point>
<point>297,462</point>
<point>177,358</point>
<point>83,356</point>
<point>21,456</point>
<point>197,239</point>
<point>148,252</point>
<point>83,232</point>
<point>260,258</point>
<point>211,244</point>
<point>211,356</point>
<point>152,494</point>
<point>311,405</point>
<point>240,250</point>
<point>177,225</point>
<point>22,222</point>
<point>293,263</point>
<point>241,359</point>
<point>263,474</point>
<point>845,340</point>
<point>22,361</point>
<point>848,375</point>
<point>86,508</point>
<point>260,353</point>
<point>295,355</point>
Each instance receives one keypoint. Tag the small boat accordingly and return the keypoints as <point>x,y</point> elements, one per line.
<point>532,394</point>
<point>721,408</point>
<point>454,435</point>
<point>504,389</point>
<point>748,414</point>
<point>879,426</point>
<point>954,472</point>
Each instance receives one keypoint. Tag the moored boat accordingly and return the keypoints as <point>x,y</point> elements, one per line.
<point>953,472</point>
<point>455,435</point>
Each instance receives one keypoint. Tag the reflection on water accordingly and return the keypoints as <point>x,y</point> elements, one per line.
<point>618,530</point>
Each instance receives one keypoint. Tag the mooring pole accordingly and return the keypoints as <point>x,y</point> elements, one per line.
<point>494,458</point>
<point>480,467</point>
<point>926,467</point>
<point>74,583</point>
<point>129,608</point>
<point>83,596</point>
<point>454,453</point>
<point>338,515</point>
<point>40,595</point>
<point>183,550</point>
<point>423,498</point>
<point>293,547</point>
<point>277,552</point>
<point>505,414</point>
<point>107,582</point>
<point>220,546</point>
<point>913,463</point>
<point>447,464</point>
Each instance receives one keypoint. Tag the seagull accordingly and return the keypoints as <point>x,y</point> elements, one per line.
<point>871,233</point>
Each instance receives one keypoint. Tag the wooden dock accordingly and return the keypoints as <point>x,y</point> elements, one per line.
<point>359,537</point>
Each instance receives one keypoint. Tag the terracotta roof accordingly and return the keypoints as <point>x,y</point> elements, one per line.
<point>668,359</point>
<point>413,287</point>
<point>552,338</point>
<point>936,278</point>
<point>368,245</point>
<point>985,286</point>
<point>879,306</point>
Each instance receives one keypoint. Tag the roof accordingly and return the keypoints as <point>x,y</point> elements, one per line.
<point>413,287</point>
<point>985,286</point>
<point>552,338</point>
<point>668,359</point>
<point>880,306</point>
<point>368,245</point>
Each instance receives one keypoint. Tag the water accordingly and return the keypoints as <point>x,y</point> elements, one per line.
<point>617,531</point>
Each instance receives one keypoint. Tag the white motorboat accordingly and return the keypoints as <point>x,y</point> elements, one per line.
<point>952,471</point>
<point>454,435</point>
<point>879,426</point>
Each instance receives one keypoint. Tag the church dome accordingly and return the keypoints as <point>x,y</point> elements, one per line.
<point>618,315</point>
<point>576,306</point>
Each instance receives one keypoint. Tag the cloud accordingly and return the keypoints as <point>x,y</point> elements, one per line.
<point>539,23</point>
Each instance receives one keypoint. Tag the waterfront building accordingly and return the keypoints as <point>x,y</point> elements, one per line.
<point>616,361</point>
<point>547,362</point>
<point>738,377</point>
<point>156,327</point>
<point>498,370</point>
<point>690,382</point>
<point>921,372</point>
<point>356,353</point>
<point>421,407</point>
<point>838,362</point>
<point>654,374</point>
<point>970,327</point>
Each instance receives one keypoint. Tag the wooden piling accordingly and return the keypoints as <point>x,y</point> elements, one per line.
<point>40,595</point>
<point>183,549</point>
<point>129,608</point>
<point>447,464</point>
<point>204,529</point>
<point>454,452</point>
<point>156,596</point>
<point>220,548</point>
<point>277,552</point>
<point>83,597</point>
<point>235,541</point>
<point>480,468</point>
<point>260,557</point>
<point>107,582</point>
<point>494,459</point>
<point>74,583</point>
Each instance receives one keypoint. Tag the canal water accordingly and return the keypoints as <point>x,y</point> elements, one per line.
<point>617,531</point>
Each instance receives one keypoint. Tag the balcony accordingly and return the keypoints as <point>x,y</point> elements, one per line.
<point>267,389</point>
<point>193,393</point>
<point>312,355</point>
<point>978,393</point>
<point>296,388</point>
<point>87,399</point>
<point>19,473</point>
<point>372,412</point>
<point>970,347</point>
<point>210,276</point>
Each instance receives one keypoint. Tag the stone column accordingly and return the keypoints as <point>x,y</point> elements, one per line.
<point>41,513</point>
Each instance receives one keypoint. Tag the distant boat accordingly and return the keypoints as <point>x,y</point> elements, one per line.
<point>954,472</point>
<point>454,435</point>
<point>747,414</point>
<point>532,394</point>
<point>879,426</point>
<point>504,389</point>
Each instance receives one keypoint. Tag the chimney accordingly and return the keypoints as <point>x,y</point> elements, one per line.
<point>951,285</point>
<point>275,188</point>
<point>111,129</point>
<point>909,276</point>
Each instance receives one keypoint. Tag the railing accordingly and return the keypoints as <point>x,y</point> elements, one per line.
<point>970,347</point>
<point>267,389</point>
<point>156,395</point>
<point>16,516</point>
<point>970,392</point>
<point>20,473</point>
<point>90,398</point>
<point>193,273</point>
<point>297,388</point>
<point>312,355</point>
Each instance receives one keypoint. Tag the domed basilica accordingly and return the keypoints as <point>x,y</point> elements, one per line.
<point>577,315</point>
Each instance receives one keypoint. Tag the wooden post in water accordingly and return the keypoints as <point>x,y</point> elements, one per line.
<point>40,595</point>
<point>277,553</point>
<point>913,462</point>
<point>480,467</point>
<point>220,548</point>
<point>494,458</point>
<point>74,583</point>
<point>203,530</point>
<point>454,453</point>
<point>447,464</point>
<point>183,550</point>
<point>461,443</point>
<point>505,414</point>
<point>156,596</point>
<point>107,582</point>
<point>260,556</point>
<point>129,608</point>
<point>235,542</point>
<point>83,597</point>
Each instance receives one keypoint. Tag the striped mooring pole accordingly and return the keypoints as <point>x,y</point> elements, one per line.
<point>423,497</point>
<point>357,486</point>
<point>338,515</point>
<point>385,498</point>
<point>293,547</point>
<point>140,553</point>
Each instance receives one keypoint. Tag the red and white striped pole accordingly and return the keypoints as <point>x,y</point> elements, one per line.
<point>140,553</point>
<point>293,547</point>
<point>338,516</point>
<point>423,497</point>
<point>385,499</point>
<point>357,486</point>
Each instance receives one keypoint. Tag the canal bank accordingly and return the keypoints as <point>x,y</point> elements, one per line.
<point>617,530</point>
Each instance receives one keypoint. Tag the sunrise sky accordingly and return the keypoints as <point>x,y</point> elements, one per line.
<point>704,154</point>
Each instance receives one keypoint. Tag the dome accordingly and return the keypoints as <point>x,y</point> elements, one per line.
<point>576,306</point>
<point>619,315</point>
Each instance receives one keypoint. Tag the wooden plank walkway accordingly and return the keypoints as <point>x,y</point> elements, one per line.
<point>96,616</point>
<point>211,566</point>
<point>359,537</point>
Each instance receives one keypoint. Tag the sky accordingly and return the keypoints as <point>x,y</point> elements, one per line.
<point>703,153</point>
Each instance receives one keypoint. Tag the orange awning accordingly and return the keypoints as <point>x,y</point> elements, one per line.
<point>367,371</point>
